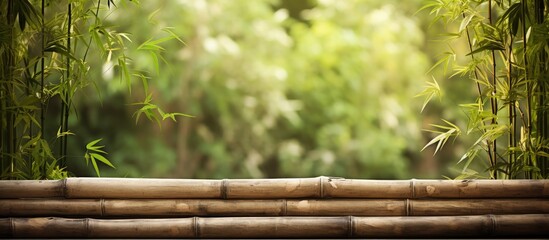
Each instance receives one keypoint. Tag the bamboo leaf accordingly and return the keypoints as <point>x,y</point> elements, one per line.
<point>95,165</point>
<point>442,138</point>
<point>431,90</point>
<point>102,159</point>
<point>125,73</point>
<point>465,22</point>
<point>91,144</point>
<point>488,46</point>
<point>60,49</point>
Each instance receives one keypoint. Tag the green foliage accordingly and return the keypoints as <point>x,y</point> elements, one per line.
<point>49,50</point>
<point>272,96</point>
<point>93,152</point>
<point>507,65</point>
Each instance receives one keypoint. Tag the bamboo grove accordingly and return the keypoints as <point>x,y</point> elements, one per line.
<point>507,66</point>
<point>47,49</point>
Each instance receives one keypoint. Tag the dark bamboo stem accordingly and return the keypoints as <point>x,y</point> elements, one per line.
<point>512,110</point>
<point>528,122</point>
<point>493,99</point>
<point>10,64</point>
<point>65,103</point>
<point>541,114</point>
<point>42,69</point>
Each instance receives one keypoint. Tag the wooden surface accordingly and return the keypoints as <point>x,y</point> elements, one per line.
<point>322,207</point>
<point>531,225</point>
<point>321,187</point>
<point>266,207</point>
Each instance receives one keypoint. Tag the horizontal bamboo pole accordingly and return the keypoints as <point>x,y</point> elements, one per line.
<point>321,187</point>
<point>31,188</point>
<point>532,225</point>
<point>208,207</point>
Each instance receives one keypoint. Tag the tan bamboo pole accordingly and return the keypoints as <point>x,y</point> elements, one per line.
<point>310,207</point>
<point>322,187</point>
<point>450,207</point>
<point>353,188</point>
<point>453,226</point>
<point>141,188</point>
<point>31,188</point>
<point>481,188</point>
<point>282,227</point>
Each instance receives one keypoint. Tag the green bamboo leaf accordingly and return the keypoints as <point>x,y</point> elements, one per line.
<point>156,66</point>
<point>26,13</point>
<point>91,144</point>
<point>95,165</point>
<point>442,138</point>
<point>465,22</point>
<point>431,90</point>
<point>125,73</point>
<point>102,159</point>
<point>60,49</point>
<point>62,134</point>
<point>169,31</point>
<point>488,46</point>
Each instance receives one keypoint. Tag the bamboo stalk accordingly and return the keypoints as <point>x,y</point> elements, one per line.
<point>141,188</point>
<point>207,207</point>
<point>281,227</point>
<point>481,189</point>
<point>321,187</point>
<point>31,188</point>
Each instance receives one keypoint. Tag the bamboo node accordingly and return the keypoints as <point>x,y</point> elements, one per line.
<point>64,188</point>
<point>224,186</point>
<point>195,227</point>
<point>321,186</point>
<point>87,227</point>
<point>413,187</point>
<point>102,205</point>
<point>408,207</point>
<point>12,227</point>
<point>350,227</point>
<point>493,225</point>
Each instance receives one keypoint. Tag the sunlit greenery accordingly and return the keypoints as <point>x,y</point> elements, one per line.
<point>240,88</point>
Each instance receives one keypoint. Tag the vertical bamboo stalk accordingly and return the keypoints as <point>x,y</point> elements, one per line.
<point>65,102</point>
<point>9,90</point>
<point>512,141</point>
<point>542,104</point>
<point>42,68</point>
<point>493,100</point>
<point>528,127</point>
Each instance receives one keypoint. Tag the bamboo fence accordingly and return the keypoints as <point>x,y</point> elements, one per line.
<point>320,187</point>
<point>322,207</point>
<point>527,225</point>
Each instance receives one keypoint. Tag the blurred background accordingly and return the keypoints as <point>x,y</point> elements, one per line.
<point>277,89</point>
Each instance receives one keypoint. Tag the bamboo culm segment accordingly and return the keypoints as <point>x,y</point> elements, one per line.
<point>321,187</point>
<point>312,207</point>
<point>281,227</point>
